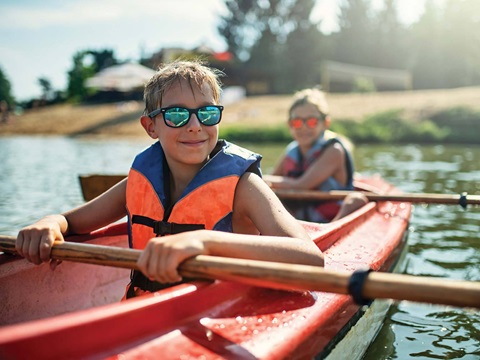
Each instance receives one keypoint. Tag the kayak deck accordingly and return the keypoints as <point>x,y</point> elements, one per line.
<point>203,319</point>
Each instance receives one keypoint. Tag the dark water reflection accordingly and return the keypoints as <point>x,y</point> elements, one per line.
<point>39,175</point>
<point>444,242</point>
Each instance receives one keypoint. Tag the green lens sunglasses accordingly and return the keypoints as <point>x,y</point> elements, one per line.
<point>175,116</point>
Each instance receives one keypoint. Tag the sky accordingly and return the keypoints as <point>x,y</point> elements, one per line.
<point>39,38</point>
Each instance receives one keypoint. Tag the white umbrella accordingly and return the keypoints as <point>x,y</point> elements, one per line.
<point>124,77</point>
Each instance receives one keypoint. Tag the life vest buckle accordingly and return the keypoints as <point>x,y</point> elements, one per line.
<point>162,228</point>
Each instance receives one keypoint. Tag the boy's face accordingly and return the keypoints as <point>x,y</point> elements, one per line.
<point>192,143</point>
<point>306,124</point>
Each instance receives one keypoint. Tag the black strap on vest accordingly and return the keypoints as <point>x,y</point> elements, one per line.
<point>141,281</point>
<point>161,228</point>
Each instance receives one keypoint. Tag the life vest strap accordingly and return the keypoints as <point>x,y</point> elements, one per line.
<point>162,228</point>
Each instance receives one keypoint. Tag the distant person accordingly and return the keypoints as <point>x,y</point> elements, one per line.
<point>317,159</point>
<point>185,185</point>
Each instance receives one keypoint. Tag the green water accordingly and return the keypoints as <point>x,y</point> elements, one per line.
<point>39,175</point>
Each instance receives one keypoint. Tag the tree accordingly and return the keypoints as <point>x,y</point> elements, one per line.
<point>353,42</point>
<point>304,50</point>
<point>263,65</point>
<point>85,64</point>
<point>76,90</point>
<point>239,27</point>
<point>461,42</point>
<point>6,89</point>
<point>258,33</point>
<point>426,49</point>
<point>46,88</point>
<point>389,38</point>
<point>102,58</point>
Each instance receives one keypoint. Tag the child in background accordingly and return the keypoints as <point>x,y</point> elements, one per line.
<point>317,159</point>
<point>206,195</point>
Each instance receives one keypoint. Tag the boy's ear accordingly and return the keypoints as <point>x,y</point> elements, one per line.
<point>149,126</point>
<point>327,121</point>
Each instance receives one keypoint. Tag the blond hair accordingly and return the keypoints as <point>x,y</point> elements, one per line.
<point>194,72</point>
<point>312,96</point>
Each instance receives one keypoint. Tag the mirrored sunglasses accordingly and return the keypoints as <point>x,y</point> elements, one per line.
<point>175,116</point>
<point>310,122</point>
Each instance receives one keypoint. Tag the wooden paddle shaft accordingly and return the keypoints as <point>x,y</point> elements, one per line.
<point>280,275</point>
<point>302,277</point>
<point>403,197</point>
<point>94,185</point>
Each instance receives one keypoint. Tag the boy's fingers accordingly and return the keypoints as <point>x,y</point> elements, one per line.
<point>33,251</point>
<point>157,265</point>
<point>19,244</point>
<point>45,247</point>
<point>25,250</point>
<point>170,266</point>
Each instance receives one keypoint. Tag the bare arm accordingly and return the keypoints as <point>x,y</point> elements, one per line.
<point>101,211</point>
<point>35,241</point>
<point>331,163</point>
<point>283,239</point>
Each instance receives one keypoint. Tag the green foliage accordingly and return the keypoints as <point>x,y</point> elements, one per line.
<point>86,64</point>
<point>363,85</point>
<point>102,58</point>
<point>302,71</point>
<point>274,134</point>
<point>77,91</point>
<point>46,87</point>
<point>389,38</point>
<point>277,42</point>
<point>390,127</point>
<point>354,40</point>
<point>285,45</point>
<point>6,89</point>
<point>462,123</point>
<point>387,127</point>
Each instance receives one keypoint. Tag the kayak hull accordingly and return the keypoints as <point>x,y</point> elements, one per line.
<point>201,319</point>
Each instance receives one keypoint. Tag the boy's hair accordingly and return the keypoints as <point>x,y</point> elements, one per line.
<point>194,72</point>
<point>312,96</point>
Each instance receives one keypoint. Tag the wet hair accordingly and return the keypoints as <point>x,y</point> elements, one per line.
<point>195,72</point>
<point>311,96</point>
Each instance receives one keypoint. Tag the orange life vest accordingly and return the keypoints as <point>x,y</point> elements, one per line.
<point>206,203</point>
<point>295,164</point>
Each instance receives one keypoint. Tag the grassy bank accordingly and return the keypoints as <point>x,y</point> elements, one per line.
<point>458,125</point>
<point>446,116</point>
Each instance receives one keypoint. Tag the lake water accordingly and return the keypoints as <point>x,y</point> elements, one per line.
<point>39,175</point>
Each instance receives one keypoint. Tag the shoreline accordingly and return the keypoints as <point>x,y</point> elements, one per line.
<point>122,119</point>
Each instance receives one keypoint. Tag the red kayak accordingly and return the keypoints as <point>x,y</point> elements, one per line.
<point>74,312</point>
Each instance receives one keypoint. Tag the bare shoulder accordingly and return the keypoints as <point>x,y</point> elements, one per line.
<point>251,189</point>
<point>335,149</point>
<point>332,157</point>
<point>251,186</point>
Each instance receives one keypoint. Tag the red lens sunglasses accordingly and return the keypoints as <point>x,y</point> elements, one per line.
<point>298,122</point>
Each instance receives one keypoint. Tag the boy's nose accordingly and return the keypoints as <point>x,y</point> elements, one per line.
<point>194,124</point>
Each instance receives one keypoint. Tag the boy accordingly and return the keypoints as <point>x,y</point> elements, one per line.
<point>184,186</point>
<point>316,159</point>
